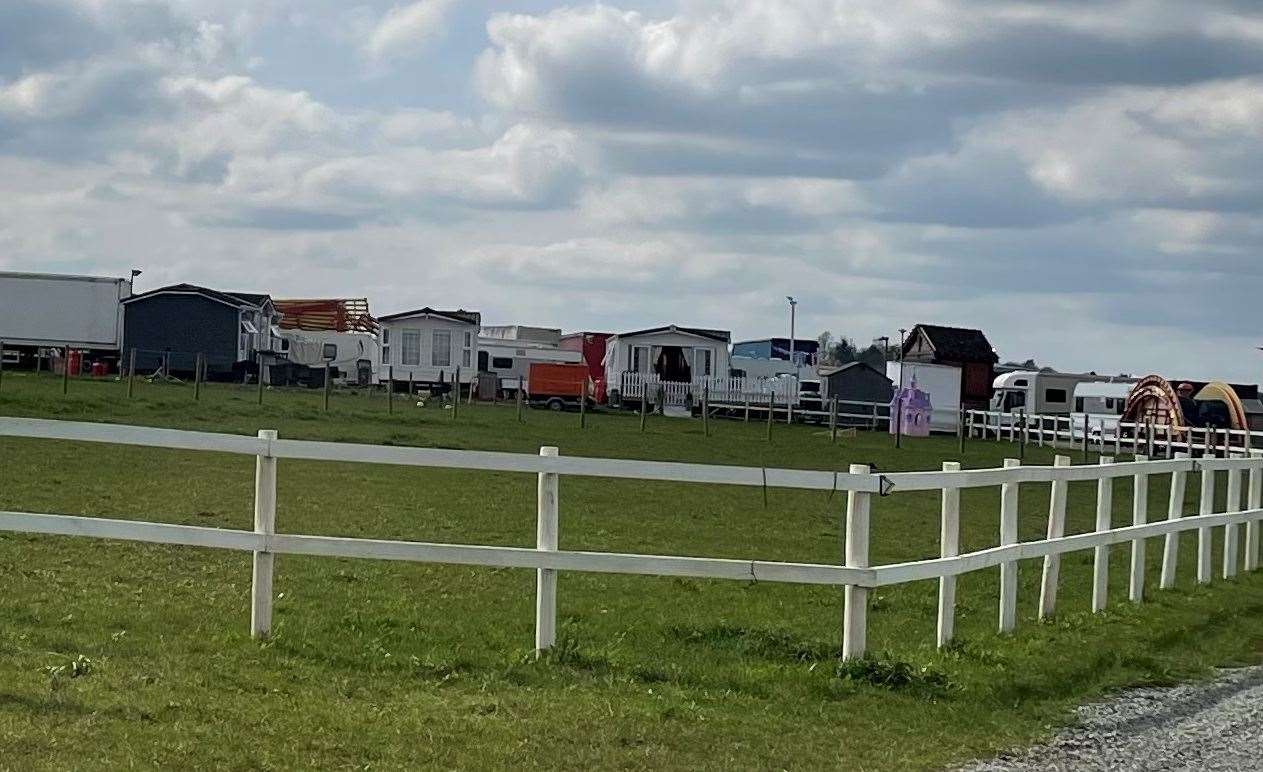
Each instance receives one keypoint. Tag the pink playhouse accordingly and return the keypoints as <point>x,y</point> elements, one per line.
<point>910,411</point>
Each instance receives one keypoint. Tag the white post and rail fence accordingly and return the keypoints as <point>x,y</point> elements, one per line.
<point>855,574</point>
<point>1107,434</point>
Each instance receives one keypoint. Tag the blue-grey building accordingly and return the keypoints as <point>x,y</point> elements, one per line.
<point>777,348</point>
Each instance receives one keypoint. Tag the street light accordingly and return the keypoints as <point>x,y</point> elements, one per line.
<point>135,272</point>
<point>793,306</point>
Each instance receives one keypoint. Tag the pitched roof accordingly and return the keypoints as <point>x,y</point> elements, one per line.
<point>234,299</point>
<point>253,298</point>
<point>955,343</point>
<point>459,315</point>
<point>722,336</point>
<point>827,371</point>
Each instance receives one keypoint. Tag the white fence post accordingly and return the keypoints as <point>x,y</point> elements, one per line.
<point>1101,555</point>
<point>265,525</point>
<point>949,547</point>
<point>1139,516</point>
<point>1175,510</point>
<point>855,612</point>
<point>1254,500</point>
<point>1206,507</point>
<point>546,578</point>
<point>1230,529</point>
<point>1056,529</point>
<point>1008,535</point>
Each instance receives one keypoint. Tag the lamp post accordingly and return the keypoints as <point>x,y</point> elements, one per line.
<point>135,272</point>
<point>899,394</point>
<point>793,307</point>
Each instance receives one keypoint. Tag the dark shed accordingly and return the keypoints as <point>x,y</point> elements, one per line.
<point>857,382</point>
<point>960,347</point>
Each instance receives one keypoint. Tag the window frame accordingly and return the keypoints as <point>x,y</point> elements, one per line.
<point>436,349</point>
<point>404,336</point>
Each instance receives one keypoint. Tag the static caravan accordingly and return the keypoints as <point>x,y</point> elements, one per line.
<point>670,355</point>
<point>426,346</point>
<point>169,326</point>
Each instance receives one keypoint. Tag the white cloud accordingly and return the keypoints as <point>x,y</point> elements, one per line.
<point>405,29</point>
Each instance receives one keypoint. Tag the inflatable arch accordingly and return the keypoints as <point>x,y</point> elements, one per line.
<point>1154,399</point>
<point>1218,391</point>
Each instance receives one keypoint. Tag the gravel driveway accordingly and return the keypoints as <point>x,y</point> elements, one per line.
<point>1216,725</point>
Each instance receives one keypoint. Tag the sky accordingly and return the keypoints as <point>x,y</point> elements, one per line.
<point>1081,179</point>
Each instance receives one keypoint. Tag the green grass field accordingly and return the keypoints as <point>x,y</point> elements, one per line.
<point>115,654</point>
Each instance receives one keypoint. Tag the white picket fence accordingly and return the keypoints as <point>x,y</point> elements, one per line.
<point>635,386</point>
<point>859,483</point>
<point>1108,434</point>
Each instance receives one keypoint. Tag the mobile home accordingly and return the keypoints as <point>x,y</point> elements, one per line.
<point>426,346</point>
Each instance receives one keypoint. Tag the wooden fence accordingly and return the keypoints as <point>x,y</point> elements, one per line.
<point>859,483</point>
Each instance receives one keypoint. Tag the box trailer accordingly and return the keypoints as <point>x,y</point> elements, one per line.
<point>558,386</point>
<point>941,382</point>
<point>46,310</point>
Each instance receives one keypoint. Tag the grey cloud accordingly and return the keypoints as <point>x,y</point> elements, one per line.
<point>1047,54</point>
<point>281,219</point>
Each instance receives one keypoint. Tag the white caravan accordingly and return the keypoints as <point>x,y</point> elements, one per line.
<point>1037,393</point>
<point>511,360</point>
<point>353,356</point>
<point>941,382</point>
<point>1101,405</point>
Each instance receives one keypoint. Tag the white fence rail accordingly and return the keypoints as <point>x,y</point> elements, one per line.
<point>1107,434</point>
<point>635,386</point>
<point>859,483</point>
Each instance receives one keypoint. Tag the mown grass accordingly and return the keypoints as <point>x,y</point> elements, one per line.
<point>388,665</point>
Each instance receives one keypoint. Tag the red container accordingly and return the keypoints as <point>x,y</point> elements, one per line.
<point>100,369</point>
<point>75,362</point>
<point>557,380</point>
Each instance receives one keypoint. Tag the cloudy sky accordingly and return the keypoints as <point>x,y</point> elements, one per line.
<point>1082,179</point>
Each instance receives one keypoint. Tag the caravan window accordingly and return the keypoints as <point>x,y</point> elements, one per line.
<point>441,354</point>
<point>1013,400</point>
<point>1078,404</point>
<point>701,361</point>
<point>1055,395</point>
<point>411,347</point>
<point>639,359</point>
<point>330,351</point>
<point>502,363</point>
<point>385,345</point>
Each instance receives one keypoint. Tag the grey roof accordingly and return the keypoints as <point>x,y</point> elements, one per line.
<point>235,299</point>
<point>459,315</point>
<point>722,336</point>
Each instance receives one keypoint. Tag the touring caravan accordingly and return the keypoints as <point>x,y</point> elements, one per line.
<point>1037,393</point>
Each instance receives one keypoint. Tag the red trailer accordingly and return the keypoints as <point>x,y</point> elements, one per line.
<point>558,385</point>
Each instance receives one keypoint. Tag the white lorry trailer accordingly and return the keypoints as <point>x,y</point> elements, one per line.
<point>941,382</point>
<point>49,311</point>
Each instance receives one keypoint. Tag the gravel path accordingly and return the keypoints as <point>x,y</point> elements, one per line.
<point>1216,725</point>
